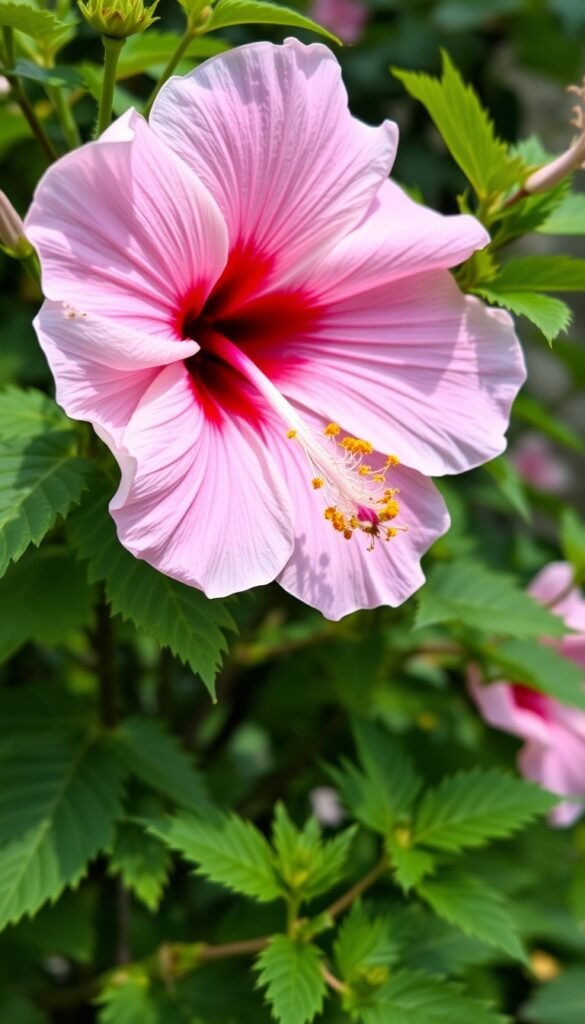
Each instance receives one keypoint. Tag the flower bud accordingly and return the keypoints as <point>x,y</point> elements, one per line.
<point>118,19</point>
<point>12,237</point>
<point>562,166</point>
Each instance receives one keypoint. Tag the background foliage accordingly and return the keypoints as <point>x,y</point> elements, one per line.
<point>158,859</point>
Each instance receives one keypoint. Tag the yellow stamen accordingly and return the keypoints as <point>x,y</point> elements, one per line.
<point>365,470</point>
<point>392,460</point>
<point>332,430</point>
<point>291,434</point>
<point>317,482</point>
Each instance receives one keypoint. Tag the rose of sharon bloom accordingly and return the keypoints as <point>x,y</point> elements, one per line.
<point>554,752</point>
<point>538,463</point>
<point>262,328</point>
<point>345,18</point>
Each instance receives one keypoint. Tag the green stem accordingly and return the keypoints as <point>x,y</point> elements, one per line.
<point>65,116</point>
<point>360,887</point>
<point>32,265</point>
<point>182,48</point>
<point>23,100</point>
<point>112,48</point>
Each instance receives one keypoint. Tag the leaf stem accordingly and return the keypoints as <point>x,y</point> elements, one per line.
<point>245,947</point>
<point>184,43</point>
<point>365,883</point>
<point>23,100</point>
<point>112,49</point>
<point>64,115</point>
<point>333,982</point>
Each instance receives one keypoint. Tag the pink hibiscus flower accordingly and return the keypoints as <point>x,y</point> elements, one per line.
<point>539,464</point>
<point>226,285</point>
<point>554,752</point>
<point>345,18</point>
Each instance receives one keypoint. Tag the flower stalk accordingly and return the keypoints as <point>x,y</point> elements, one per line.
<point>112,50</point>
<point>22,99</point>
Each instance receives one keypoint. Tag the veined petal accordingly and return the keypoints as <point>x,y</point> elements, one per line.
<point>560,768</point>
<point>415,367</point>
<point>125,229</point>
<point>339,576</point>
<point>206,503</point>
<point>101,368</point>
<point>267,129</point>
<point>498,706</point>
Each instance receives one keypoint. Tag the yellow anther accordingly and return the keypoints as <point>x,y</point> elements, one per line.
<point>348,534</point>
<point>357,446</point>
<point>392,460</point>
<point>364,470</point>
<point>391,532</point>
<point>332,430</point>
<point>317,482</point>
<point>379,478</point>
<point>329,512</point>
<point>291,434</point>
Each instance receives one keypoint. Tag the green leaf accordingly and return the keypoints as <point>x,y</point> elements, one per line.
<point>561,1001</point>
<point>541,274</point>
<point>28,413</point>
<point>150,49</point>
<point>542,668</point>
<point>363,943</point>
<point>178,617</point>
<point>466,592</point>
<point>466,129</point>
<point>409,865</point>
<point>149,752</point>
<point>55,75</point>
<point>551,316</point>
<point>43,598</point>
<point>142,862</point>
<point>58,807</point>
<point>568,218</point>
<point>42,25</point>
<point>530,410</point>
<point>256,12</point>
<point>292,976</point>
<point>226,850</point>
<point>40,706</point>
<point>474,807</point>
<point>411,997</point>
<point>308,864</point>
<point>475,908</point>
<point>128,999</point>
<point>383,792</point>
<point>510,485</point>
<point>573,542</point>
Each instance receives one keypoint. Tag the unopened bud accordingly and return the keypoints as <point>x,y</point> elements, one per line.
<point>12,237</point>
<point>118,19</point>
<point>562,166</point>
<point>198,12</point>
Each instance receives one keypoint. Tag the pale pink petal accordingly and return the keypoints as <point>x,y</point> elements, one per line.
<point>396,239</point>
<point>267,129</point>
<point>553,587</point>
<point>560,768</point>
<point>414,367</point>
<point>206,504</point>
<point>539,464</point>
<point>345,18</point>
<point>101,368</point>
<point>123,228</point>
<point>499,708</point>
<point>339,576</point>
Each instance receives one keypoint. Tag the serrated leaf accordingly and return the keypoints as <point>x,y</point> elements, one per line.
<point>412,997</point>
<point>67,797</point>
<point>466,129</point>
<point>551,316</point>
<point>409,865</point>
<point>149,752</point>
<point>466,592</point>
<point>474,807</point>
<point>308,864</point>
<point>42,25</point>
<point>127,999</point>
<point>573,541</point>
<point>227,850</point>
<point>474,908</point>
<point>561,1001</point>
<point>510,485</point>
<point>430,944</point>
<point>363,942</point>
<point>568,218</point>
<point>55,75</point>
<point>541,274</point>
<point>292,976</point>
<point>178,617</point>
<point>41,706</point>
<point>43,598</point>
<point>149,49</point>
<point>256,12</point>
<point>28,413</point>
<point>142,862</point>
<point>542,668</point>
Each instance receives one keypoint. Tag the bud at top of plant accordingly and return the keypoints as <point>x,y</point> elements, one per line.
<point>571,160</point>
<point>118,18</point>
<point>197,11</point>
<point>12,237</point>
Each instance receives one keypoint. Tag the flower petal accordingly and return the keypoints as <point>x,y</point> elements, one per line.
<point>498,707</point>
<point>415,367</point>
<point>553,586</point>
<point>124,228</point>
<point>560,768</point>
<point>206,504</point>
<point>267,129</point>
<point>338,576</point>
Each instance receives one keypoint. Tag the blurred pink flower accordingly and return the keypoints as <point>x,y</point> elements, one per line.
<point>554,752</point>
<point>345,18</point>
<point>224,284</point>
<point>326,805</point>
<point>538,463</point>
